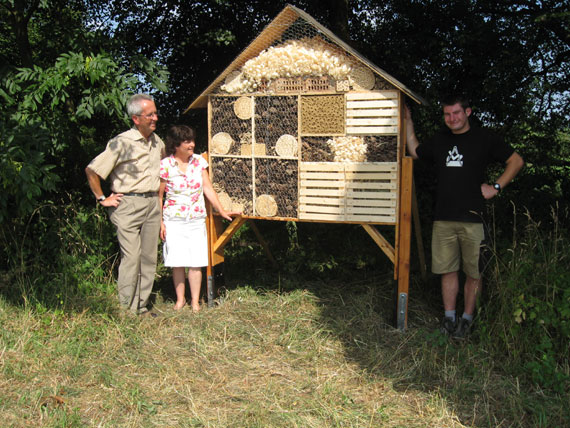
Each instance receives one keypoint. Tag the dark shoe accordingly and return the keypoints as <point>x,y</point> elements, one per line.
<point>463,329</point>
<point>448,326</point>
<point>148,314</point>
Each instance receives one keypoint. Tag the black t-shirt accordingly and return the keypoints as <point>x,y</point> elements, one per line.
<point>460,162</point>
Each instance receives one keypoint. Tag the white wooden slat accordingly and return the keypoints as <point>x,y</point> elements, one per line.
<point>371,176</point>
<point>371,104</point>
<point>310,200</point>
<point>370,112</point>
<point>370,166</point>
<point>370,202</point>
<point>371,219</point>
<point>321,166</point>
<point>321,209</point>
<point>370,210</point>
<point>351,193</point>
<point>321,192</point>
<point>357,185</point>
<point>321,216</point>
<point>372,130</point>
<point>311,175</point>
<point>373,121</point>
<point>322,183</point>
<point>371,95</point>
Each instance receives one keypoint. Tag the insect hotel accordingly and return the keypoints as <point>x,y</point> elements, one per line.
<point>303,128</point>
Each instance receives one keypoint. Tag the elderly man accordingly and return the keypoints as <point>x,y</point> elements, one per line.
<point>131,161</point>
<point>460,155</point>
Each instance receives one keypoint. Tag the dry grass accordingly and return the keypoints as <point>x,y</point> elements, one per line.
<point>309,357</point>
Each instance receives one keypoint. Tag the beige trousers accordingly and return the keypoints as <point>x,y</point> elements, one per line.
<point>137,222</point>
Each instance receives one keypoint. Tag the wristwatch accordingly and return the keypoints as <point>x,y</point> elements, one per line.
<point>497,186</point>
<point>101,198</point>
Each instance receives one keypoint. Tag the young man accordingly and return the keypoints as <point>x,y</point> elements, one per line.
<point>132,163</point>
<point>460,155</point>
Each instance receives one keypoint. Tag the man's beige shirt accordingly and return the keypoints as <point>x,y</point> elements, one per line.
<point>131,162</point>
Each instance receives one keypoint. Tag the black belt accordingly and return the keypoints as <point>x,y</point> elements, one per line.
<point>142,195</point>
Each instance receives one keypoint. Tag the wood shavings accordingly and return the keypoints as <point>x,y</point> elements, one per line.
<point>348,149</point>
<point>294,58</point>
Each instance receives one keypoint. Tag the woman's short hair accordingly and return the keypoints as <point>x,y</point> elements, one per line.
<point>176,134</point>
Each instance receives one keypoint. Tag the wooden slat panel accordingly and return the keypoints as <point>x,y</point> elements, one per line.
<point>372,130</point>
<point>373,121</point>
<point>372,95</point>
<point>371,104</point>
<point>369,112</point>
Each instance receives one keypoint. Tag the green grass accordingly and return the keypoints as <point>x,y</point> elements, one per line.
<point>304,355</point>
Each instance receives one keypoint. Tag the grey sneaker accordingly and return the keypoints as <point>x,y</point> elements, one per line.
<point>463,329</point>
<point>448,326</point>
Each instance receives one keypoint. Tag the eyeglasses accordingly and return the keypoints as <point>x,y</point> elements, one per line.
<point>148,116</point>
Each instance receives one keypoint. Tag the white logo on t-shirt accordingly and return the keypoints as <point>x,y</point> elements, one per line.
<point>454,158</point>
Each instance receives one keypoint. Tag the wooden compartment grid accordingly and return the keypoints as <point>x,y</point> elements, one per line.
<point>275,116</point>
<point>234,176</point>
<point>278,179</point>
<point>322,114</point>
<point>224,119</point>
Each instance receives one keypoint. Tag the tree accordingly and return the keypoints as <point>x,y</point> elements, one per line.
<point>64,106</point>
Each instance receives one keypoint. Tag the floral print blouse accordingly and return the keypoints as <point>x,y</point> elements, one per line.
<point>183,193</point>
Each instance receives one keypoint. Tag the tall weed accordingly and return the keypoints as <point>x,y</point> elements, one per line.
<point>526,321</point>
<point>61,255</point>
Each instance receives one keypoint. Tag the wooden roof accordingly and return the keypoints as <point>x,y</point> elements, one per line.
<point>274,31</point>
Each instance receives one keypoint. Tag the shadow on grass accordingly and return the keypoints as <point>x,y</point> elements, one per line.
<point>358,307</point>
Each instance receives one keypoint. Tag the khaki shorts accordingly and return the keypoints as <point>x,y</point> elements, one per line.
<point>454,242</point>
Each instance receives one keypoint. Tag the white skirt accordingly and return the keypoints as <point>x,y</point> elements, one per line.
<point>186,243</point>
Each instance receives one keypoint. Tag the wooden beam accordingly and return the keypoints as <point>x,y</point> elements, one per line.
<point>384,245</point>
<point>405,235</point>
<point>223,239</point>
<point>263,244</point>
<point>418,231</point>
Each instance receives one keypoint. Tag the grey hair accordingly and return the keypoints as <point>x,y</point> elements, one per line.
<point>134,105</point>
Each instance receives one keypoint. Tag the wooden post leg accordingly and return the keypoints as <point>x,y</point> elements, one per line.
<point>404,238</point>
<point>211,233</point>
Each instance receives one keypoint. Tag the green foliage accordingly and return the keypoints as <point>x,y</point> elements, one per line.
<point>527,318</point>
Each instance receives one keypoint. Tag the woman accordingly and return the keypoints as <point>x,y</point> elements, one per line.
<point>184,181</point>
